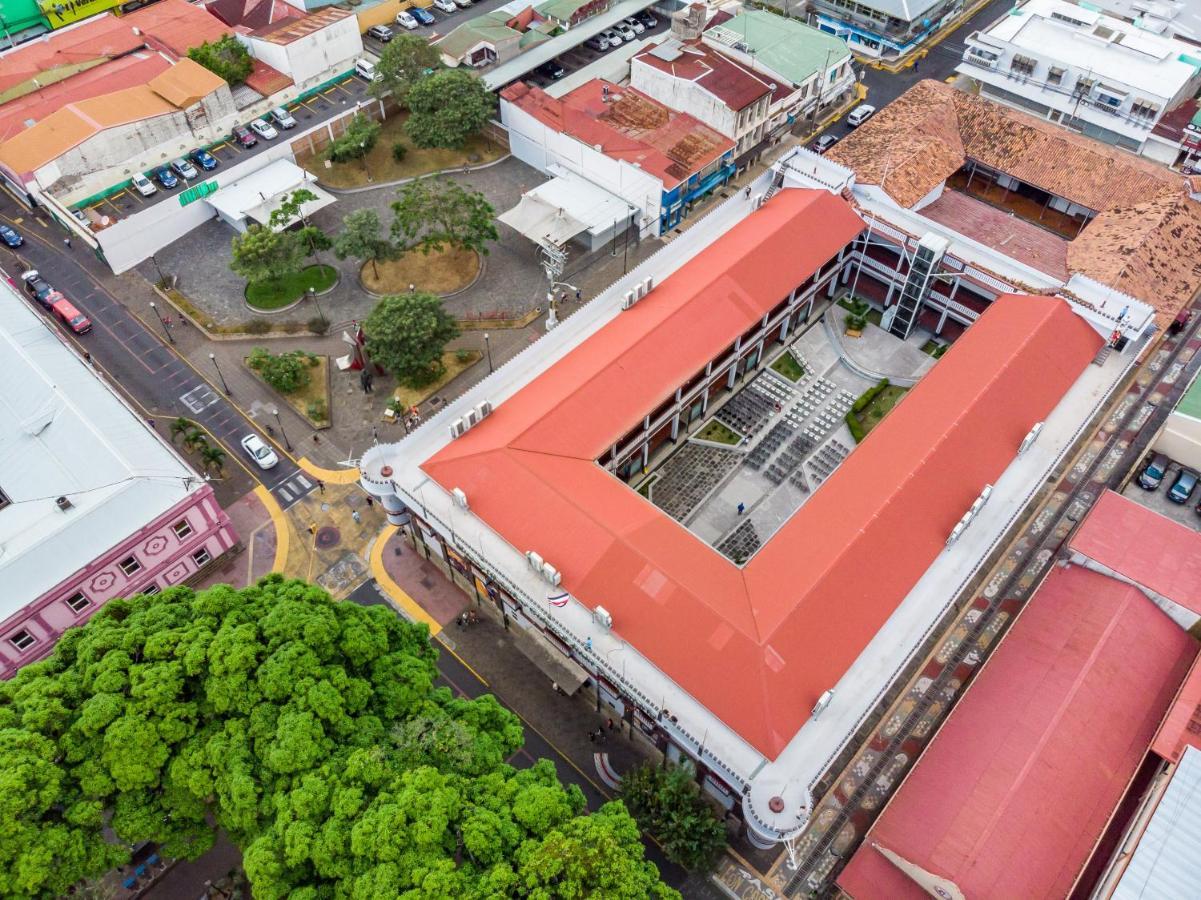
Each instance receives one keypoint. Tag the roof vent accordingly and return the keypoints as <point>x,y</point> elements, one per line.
<point>822,702</point>
<point>63,503</point>
<point>460,498</point>
<point>603,618</point>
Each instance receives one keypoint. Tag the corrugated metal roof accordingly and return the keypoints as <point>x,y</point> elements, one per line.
<point>63,432</point>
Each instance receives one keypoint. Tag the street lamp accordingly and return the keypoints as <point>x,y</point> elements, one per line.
<point>225,387</point>
<point>363,158</point>
<point>488,348</point>
<point>162,322</point>
<point>275,412</point>
<point>313,297</point>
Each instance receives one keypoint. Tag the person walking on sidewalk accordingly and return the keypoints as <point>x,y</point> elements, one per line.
<point>321,485</point>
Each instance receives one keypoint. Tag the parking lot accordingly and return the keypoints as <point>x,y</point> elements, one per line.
<point>1184,513</point>
<point>331,102</point>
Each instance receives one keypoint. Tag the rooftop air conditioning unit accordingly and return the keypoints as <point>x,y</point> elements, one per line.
<point>458,428</point>
<point>534,560</point>
<point>551,574</point>
<point>460,498</point>
<point>1030,438</point>
<point>822,702</point>
<point>483,409</point>
<point>603,618</point>
<point>628,300</point>
<point>648,284</point>
<point>472,418</point>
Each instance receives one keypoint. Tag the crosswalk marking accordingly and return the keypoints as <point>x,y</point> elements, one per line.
<point>304,482</point>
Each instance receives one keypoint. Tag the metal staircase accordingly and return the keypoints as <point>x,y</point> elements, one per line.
<point>777,182</point>
<point>922,268</point>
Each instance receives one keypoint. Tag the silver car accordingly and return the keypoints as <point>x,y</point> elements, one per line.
<point>263,456</point>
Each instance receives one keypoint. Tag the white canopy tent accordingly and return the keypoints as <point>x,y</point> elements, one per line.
<point>566,207</point>
<point>257,196</point>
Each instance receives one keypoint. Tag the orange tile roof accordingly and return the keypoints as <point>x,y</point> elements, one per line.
<point>1019,784</point>
<point>626,124</point>
<point>786,627</point>
<point>186,83</point>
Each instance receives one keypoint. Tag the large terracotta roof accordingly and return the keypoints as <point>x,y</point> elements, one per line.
<point>1011,796</point>
<point>186,83</point>
<point>626,124</point>
<point>734,85</point>
<point>757,645</point>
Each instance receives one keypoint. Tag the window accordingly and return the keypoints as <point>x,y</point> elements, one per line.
<point>201,557</point>
<point>22,640</point>
<point>1084,86</point>
<point>1022,65</point>
<point>1144,109</point>
<point>1055,75</point>
<point>130,566</point>
<point>77,602</point>
<point>150,590</point>
<point>182,529</point>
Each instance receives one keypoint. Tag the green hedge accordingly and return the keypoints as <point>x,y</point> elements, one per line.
<point>868,396</point>
<point>857,431</point>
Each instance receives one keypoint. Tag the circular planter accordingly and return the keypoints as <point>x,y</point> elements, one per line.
<point>260,311</point>
<point>479,273</point>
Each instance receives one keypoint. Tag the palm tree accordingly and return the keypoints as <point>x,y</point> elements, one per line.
<point>180,426</point>
<point>195,440</point>
<point>213,458</point>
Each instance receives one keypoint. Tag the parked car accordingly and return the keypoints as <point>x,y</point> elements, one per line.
<point>365,68</point>
<point>37,287</point>
<point>10,236</point>
<point>611,35</point>
<point>1152,474</point>
<point>381,33</point>
<point>1182,319</point>
<point>405,19</point>
<point>263,456</point>
<point>82,218</point>
<point>165,177</point>
<point>463,4</point>
<point>447,6</point>
<point>860,114</point>
<point>281,118</point>
<point>551,70</point>
<point>244,136</point>
<point>1182,487</point>
<point>184,169</point>
<point>264,129</point>
<point>143,185</point>
<point>824,143</point>
<point>633,22</point>
<point>597,42</point>
<point>62,309</point>
<point>424,16</point>
<point>647,20</point>
<point>204,159</point>
<point>627,33</point>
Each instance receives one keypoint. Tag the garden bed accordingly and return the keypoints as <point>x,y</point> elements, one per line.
<point>273,295</point>
<point>312,400</point>
<point>417,161</point>
<point>438,272</point>
<point>786,364</point>
<point>455,366</point>
<point>873,413</point>
<point>719,433</point>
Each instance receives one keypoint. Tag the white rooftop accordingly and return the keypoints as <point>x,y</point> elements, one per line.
<point>64,433</point>
<point>259,194</point>
<point>557,210</point>
<point>1109,47</point>
<point>1176,17</point>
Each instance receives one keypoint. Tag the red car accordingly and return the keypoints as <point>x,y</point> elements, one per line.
<point>244,136</point>
<point>71,317</point>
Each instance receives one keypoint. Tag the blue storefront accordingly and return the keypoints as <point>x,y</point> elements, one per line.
<point>676,202</point>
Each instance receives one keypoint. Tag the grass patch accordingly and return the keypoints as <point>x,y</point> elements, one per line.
<point>719,433</point>
<point>645,488</point>
<point>874,315</point>
<point>880,406</point>
<point>284,291</point>
<point>454,367</point>
<point>787,365</point>
<point>383,167</point>
<point>438,272</point>
<point>311,401</point>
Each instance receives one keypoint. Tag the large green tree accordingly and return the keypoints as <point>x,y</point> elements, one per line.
<point>362,238</point>
<point>225,58</point>
<point>356,141</point>
<point>312,733</point>
<point>667,802</point>
<point>435,213</point>
<point>262,254</point>
<point>407,335</point>
<point>447,108</point>
<point>406,59</point>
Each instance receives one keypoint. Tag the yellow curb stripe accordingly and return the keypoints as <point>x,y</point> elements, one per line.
<point>329,476</point>
<point>394,591</point>
<point>281,527</point>
<point>466,665</point>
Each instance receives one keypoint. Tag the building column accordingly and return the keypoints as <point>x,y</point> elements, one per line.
<point>675,426</point>
<point>787,320</point>
<point>892,286</point>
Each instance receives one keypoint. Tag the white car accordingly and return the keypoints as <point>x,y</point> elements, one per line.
<point>635,24</point>
<point>447,6</point>
<point>264,129</point>
<point>626,32</point>
<point>143,185</point>
<point>281,118</point>
<point>463,4</point>
<point>860,114</point>
<point>611,35</point>
<point>263,456</point>
<point>405,20</point>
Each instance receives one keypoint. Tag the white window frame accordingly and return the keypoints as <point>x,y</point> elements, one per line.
<point>77,596</point>
<point>23,640</point>
<point>203,551</point>
<point>182,529</point>
<point>134,569</point>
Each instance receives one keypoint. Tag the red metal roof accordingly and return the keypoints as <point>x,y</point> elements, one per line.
<point>624,123</point>
<point>1140,544</point>
<point>1019,783</point>
<point>1182,726</point>
<point>735,86</point>
<point>785,628</point>
<point>266,79</point>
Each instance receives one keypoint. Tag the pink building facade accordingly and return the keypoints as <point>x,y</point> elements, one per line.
<point>182,543</point>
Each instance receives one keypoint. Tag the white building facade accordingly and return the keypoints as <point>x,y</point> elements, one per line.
<point>1090,72</point>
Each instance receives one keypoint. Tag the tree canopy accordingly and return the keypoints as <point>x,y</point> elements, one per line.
<point>226,58</point>
<point>434,213</point>
<point>362,238</point>
<point>356,141</point>
<point>667,802</point>
<point>447,108</point>
<point>312,733</point>
<point>260,254</point>
<point>407,335</point>
<point>405,60</point>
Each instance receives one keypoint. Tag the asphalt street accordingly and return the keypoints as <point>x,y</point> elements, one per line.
<point>137,359</point>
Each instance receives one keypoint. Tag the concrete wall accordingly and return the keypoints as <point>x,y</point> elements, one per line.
<point>683,95</point>
<point>309,59</point>
<point>1181,440</point>
<point>165,560</point>
<point>541,147</point>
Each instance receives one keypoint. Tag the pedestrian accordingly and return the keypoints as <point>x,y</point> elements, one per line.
<point>588,644</point>
<point>321,485</point>
<point>748,192</point>
<point>316,439</point>
<point>67,241</point>
<point>577,295</point>
<point>151,421</point>
<point>370,503</point>
<point>87,357</point>
<point>462,620</point>
<point>741,508</point>
<point>358,519</point>
<point>609,723</point>
<point>591,736</point>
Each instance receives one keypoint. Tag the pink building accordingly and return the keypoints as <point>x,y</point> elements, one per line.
<point>93,503</point>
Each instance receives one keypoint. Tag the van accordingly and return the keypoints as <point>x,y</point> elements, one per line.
<point>365,68</point>
<point>861,114</point>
